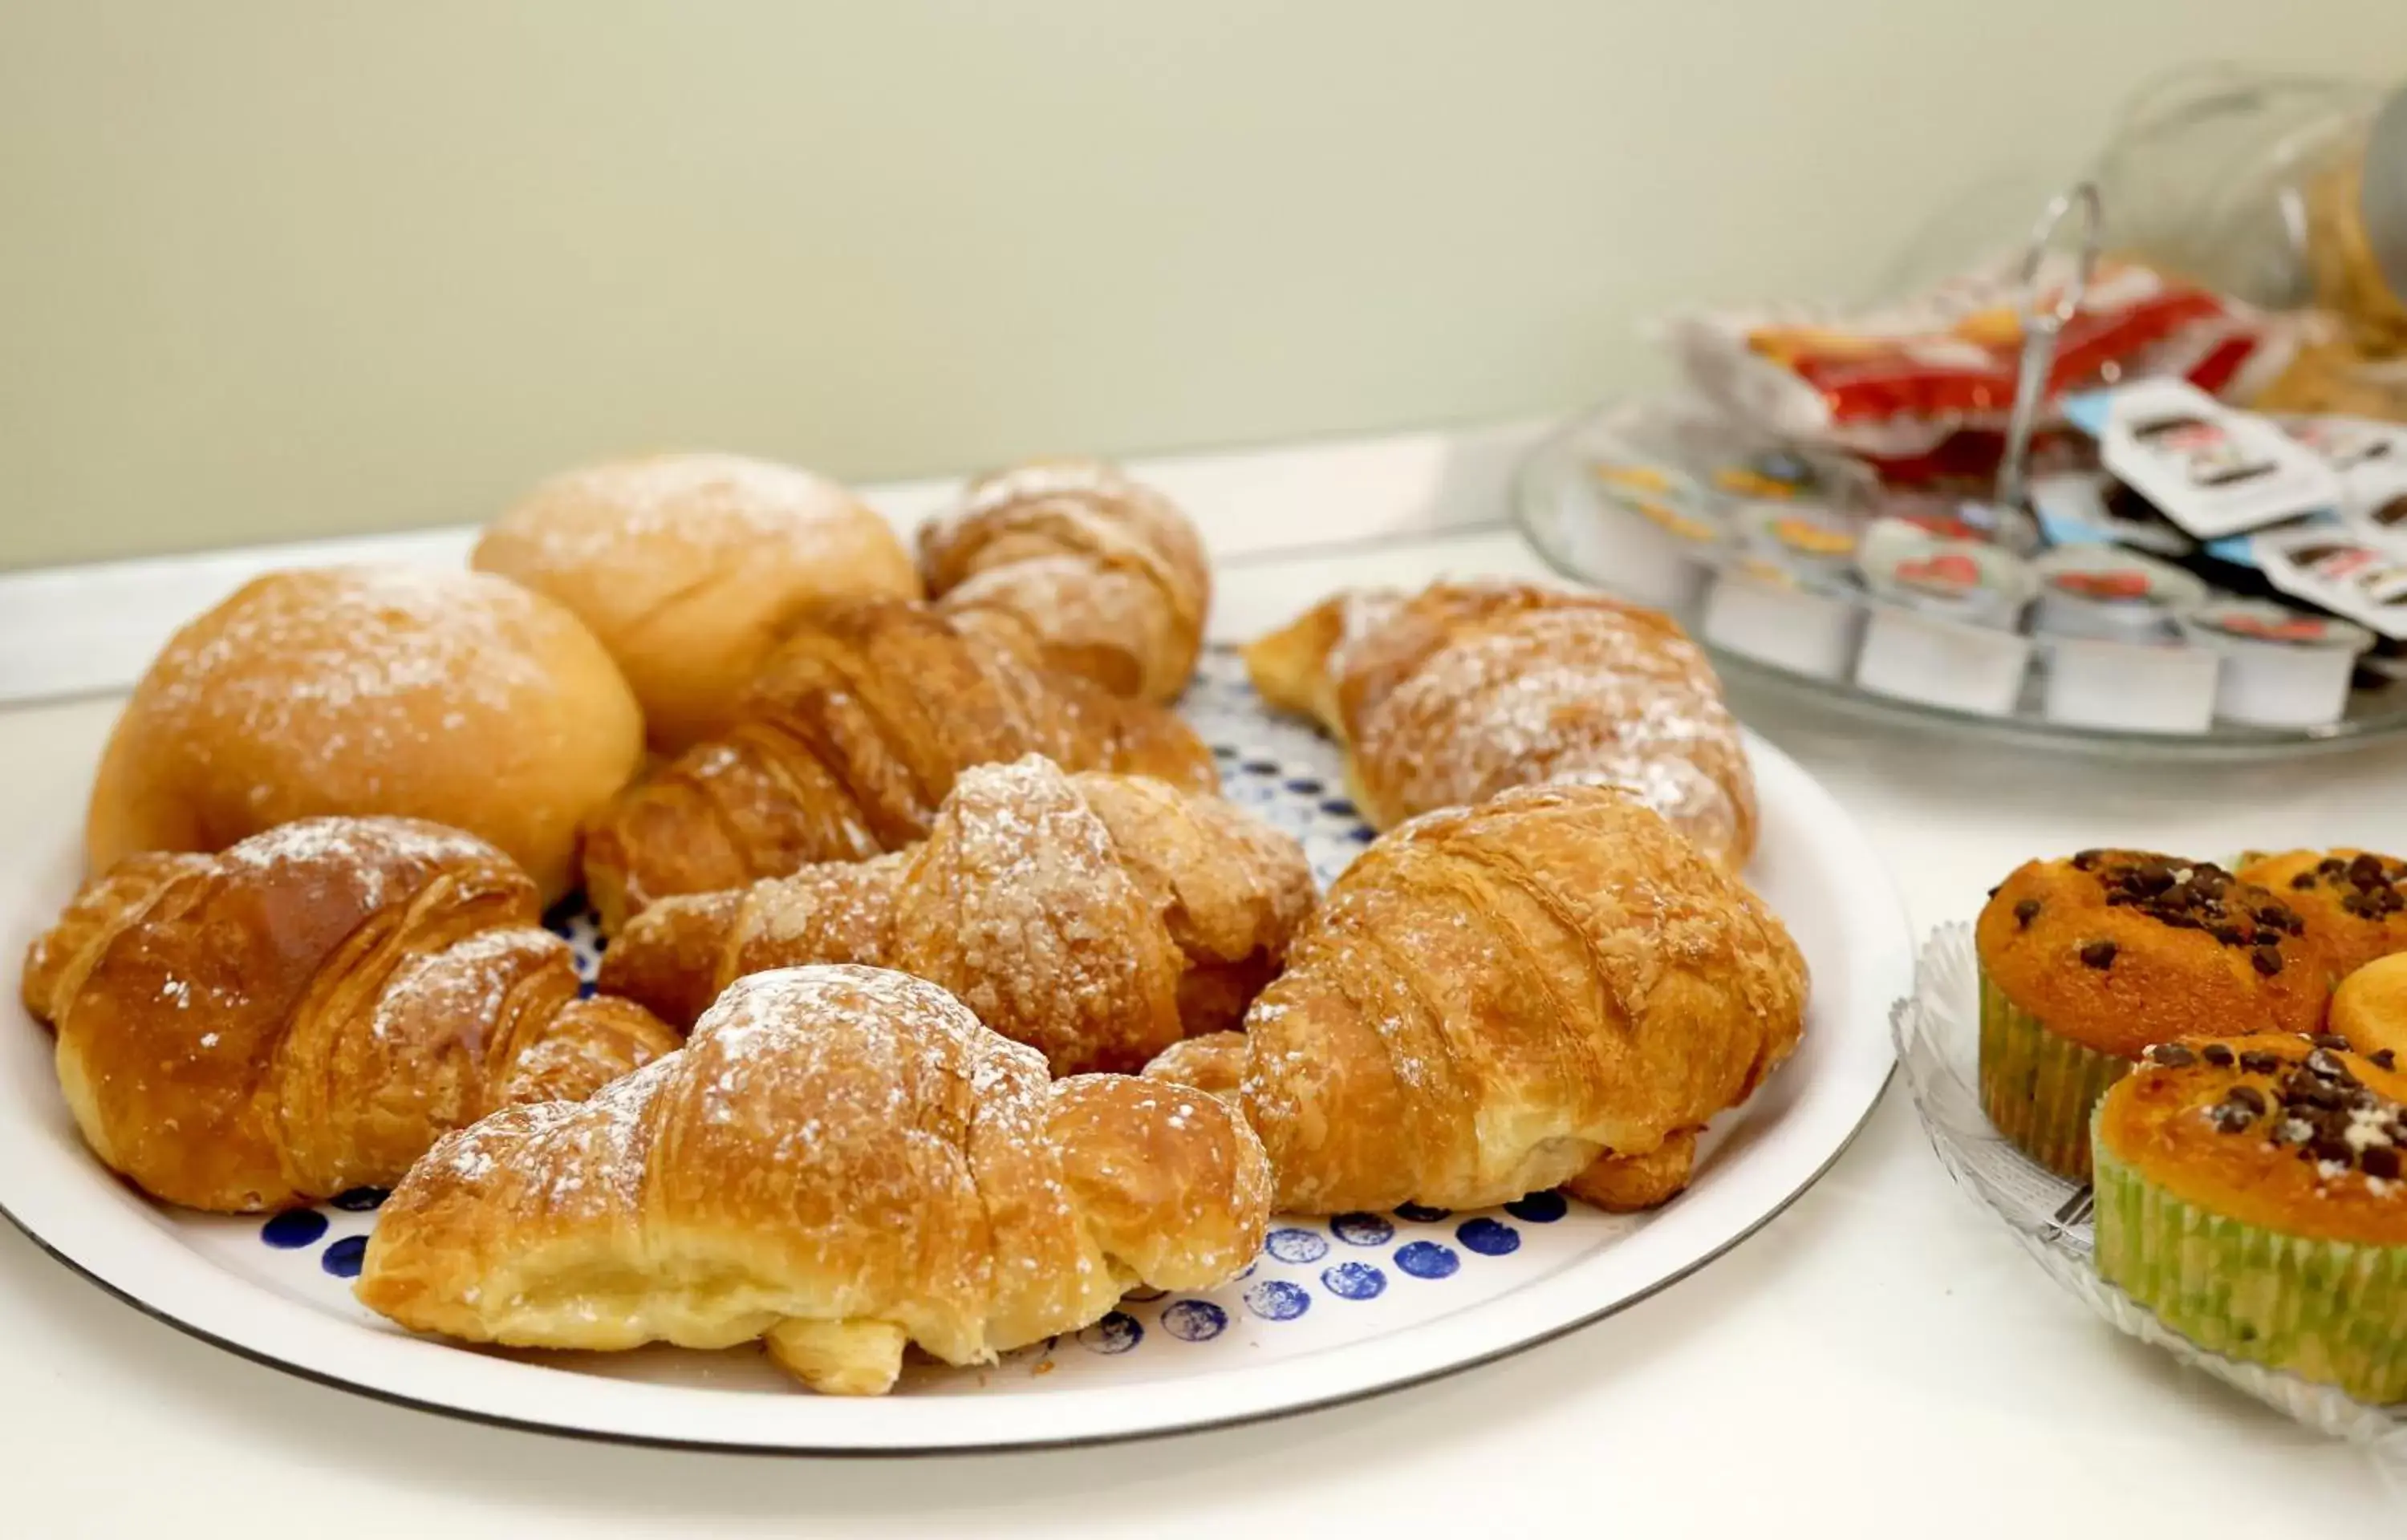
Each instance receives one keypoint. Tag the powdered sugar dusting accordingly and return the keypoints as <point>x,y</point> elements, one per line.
<point>373,850</point>
<point>1575,691</point>
<point>462,986</point>
<point>727,501</point>
<point>867,1111</point>
<point>330,662</point>
<point>1019,902</point>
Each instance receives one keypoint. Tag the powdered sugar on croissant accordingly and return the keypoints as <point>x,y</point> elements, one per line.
<point>308,1009</point>
<point>1096,917</point>
<point>1451,696</point>
<point>842,1160</point>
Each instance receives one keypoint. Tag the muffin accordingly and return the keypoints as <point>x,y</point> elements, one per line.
<point>2249,1193</point>
<point>2354,902</point>
<point>2369,1009</point>
<point>2086,962</point>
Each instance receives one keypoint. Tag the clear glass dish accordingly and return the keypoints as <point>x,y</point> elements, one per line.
<point>1560,511</point>
<point>1937,1032</point>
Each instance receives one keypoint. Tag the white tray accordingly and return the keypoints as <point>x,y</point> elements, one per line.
<point>1333,1309</point>
<point>1938,1032</point>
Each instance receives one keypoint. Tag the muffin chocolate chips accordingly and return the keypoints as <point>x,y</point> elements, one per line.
<point>2201,896</point>
<point>2316,1106</point>
<point>2367,886</point>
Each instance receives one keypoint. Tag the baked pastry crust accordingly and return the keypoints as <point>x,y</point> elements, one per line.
<point>454,697</point>
<point>2355,901</point>
<point>1491,999</point>
<point>2205,953</point>
<point>841,1160</point>
<point>307,1011</point>
<point>1447,696</point>
<point>2161,1119</point>
<point>690,568</point>
<point>1106,575</point>
<point>1097,918</point>
<point>847,743</point>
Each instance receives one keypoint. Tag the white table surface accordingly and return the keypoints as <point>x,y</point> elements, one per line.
<point>1880,1357</point>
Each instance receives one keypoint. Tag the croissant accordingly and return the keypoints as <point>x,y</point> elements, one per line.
<point>306,1010</point>
<point>842,1160</point>
<point>846,743</point>
<point>1491,998</point>
<point>1448,697</point>
<point>1108,576</point>
<point>1096,918</point>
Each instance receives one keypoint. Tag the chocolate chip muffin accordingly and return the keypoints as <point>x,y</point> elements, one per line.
<point>2370,1010</point>
<point>2086,962</point>
<point>2250,1192</point>
<point>2355,901</point>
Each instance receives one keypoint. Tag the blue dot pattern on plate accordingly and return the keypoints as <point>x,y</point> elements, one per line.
<point>1194,1319</point>
<point>1353,1281</point>
<point>1362,1229</point>
<point>343,1258</point>
<point>1277,1300</point>
<point>1488,1238</point>
<point>1539,1208</point>
<point>1117,1333</point>
<point>1427,1259</point>
<point>362,1200</point>
<point>1421,1213</point>
<point>1290,1244</point>
<point>294,1229</point>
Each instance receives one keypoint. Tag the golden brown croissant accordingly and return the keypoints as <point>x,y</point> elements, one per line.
<point>1491,998</point>
<point>306,1010</point>
<point>847,744</point>
<point>1096,918</point>
<point>1106,574</point>
<point>1451,696</point>
<point>843,1161</point>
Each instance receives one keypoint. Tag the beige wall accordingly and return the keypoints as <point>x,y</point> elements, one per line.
<point>279,269</point>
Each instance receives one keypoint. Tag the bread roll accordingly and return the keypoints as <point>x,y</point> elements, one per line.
<point>692,568</point>
<point>453,697</point>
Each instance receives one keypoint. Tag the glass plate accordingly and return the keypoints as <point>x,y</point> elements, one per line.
<point>1568,523</point>
<point>1937,1032</point>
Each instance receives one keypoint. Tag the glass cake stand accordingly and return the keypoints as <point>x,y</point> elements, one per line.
<point>1565,512</point>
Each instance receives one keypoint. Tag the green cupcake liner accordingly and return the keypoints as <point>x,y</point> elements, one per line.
<point>2040,1088</point>
<point>2328,1311</point>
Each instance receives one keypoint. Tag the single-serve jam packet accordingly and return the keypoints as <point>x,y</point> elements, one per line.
<point>2281,668</point>
<point>1945,632</point>
<point>1791,599</point>
<point>2107,594</point>
<point>1652,534</point>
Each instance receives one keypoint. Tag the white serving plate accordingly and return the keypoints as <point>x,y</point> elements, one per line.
<point>1333,1309</point>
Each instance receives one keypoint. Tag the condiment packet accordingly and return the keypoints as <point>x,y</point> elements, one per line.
<point>1897,382</point>
<point>2337,568</point>
<point>1964,580</point>
<point>2281,668</point>
<point>2090,508</point>
<point>2107,594</point>
<point>2211,470</point>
